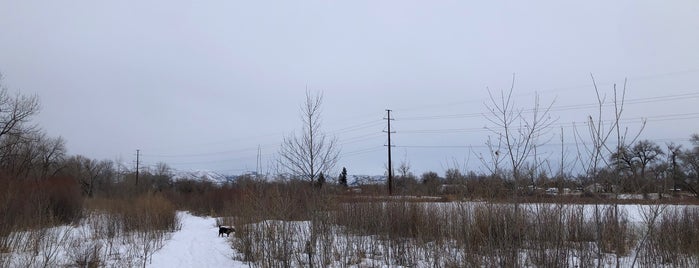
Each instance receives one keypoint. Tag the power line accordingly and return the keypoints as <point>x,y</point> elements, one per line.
<point>362,151</point>
<point>356,127</point>
<point>633,78</point>
<point>657,118</point>
<point>667,117</point>
<point>203,154</point>
<point>362,138</point>
<point>562,107</point>
<point>540,145</point>
<point>557,89</point>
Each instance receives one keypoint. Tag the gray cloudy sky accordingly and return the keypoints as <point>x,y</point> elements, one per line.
<point>202,84</point>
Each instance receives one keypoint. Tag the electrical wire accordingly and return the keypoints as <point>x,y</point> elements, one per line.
<point>561,108</point>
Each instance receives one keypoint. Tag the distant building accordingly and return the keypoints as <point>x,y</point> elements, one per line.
<point>594,188</point>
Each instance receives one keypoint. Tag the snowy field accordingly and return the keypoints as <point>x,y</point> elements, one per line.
<point>196,243</point>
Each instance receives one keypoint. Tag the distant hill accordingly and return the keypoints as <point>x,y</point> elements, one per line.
<point>356,180</point>
<point>218,178</point>
<point>202,175</point>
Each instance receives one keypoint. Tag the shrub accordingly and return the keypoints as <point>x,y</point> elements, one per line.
<point>35,204</point>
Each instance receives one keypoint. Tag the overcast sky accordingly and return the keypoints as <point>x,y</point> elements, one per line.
<point>203,84</point>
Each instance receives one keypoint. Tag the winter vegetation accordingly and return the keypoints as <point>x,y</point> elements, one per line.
<point>623,201</point>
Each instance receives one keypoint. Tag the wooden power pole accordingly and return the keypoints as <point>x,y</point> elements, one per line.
<point>138,153</point>
<point>390,168</point>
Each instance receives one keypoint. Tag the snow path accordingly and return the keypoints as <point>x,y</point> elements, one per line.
<point>196,245</point>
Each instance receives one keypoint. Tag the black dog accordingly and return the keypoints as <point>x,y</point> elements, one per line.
<point>225,230</point>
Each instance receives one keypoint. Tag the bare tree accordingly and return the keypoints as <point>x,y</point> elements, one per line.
<point>495,157</point>
<point>404,167</point>
<point>15,110</point>
<point>162,169</point>
<point>635,161</point>
<point>15,132</point>
<point>647,152</point>
<point>52,152</point>
<point>593,154</point>
<point>601,133</point>
<point>18,154</point>
<point>312,152</point>
<point>90,173</point>
<point>31,155</point>
<point>519,134</point>
<point>690,161</point>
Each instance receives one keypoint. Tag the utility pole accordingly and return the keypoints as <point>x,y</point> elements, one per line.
<point>259,161</point>
<point>138,152</point>
<point>390,169</point>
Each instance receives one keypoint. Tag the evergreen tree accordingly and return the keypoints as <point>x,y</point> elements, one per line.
<point>321,180</point>
<point>343,177</point>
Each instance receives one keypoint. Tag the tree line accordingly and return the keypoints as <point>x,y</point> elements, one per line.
<point>30,160</point>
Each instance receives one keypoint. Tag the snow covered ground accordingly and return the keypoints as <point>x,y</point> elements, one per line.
<point>196,245</point>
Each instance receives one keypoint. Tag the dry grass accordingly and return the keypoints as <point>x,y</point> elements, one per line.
<point>146,212</point>
<point>323,231</point>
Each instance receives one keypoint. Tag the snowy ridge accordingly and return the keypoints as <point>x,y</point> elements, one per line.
<point>218,178</point>
<point>201,175</point>
<point>356,180</point>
